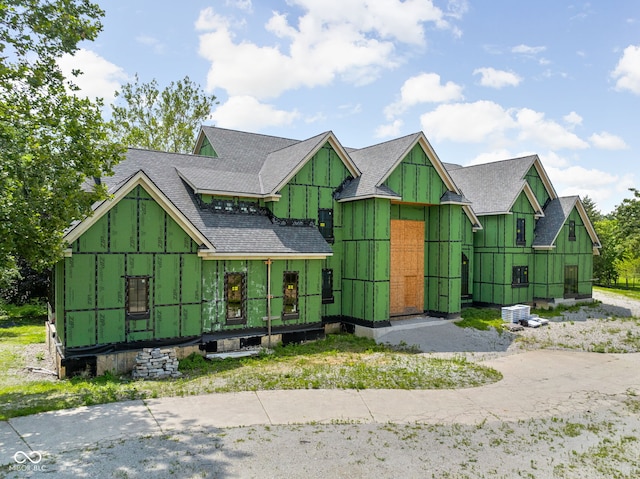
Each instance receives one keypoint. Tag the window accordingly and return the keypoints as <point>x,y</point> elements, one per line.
<point>137,300</point>
<point>235,293</point>
<point>325,223</point>
<point>327,286</point>
<point>290,295</point>
<point>520,276</point>
<point>521,238</point>
<point>572,230</point>
<point>464,289</point>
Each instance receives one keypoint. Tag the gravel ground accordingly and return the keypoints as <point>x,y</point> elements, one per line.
<point>602,442</point>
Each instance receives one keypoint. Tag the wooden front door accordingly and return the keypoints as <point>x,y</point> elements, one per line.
<point>407,267</point>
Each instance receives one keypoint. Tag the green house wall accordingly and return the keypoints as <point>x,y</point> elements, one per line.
<point>550,264</point>
<point>187,293</point>
<point>496,253</point>
<point>136,237</point>
<point>365,271</point>
<point>310,190</point>
<point>214,302</point>
<point>535,182</point>
<point>416,179</point>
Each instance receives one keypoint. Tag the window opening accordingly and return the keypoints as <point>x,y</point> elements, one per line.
<point>290,295</point>
<point>137,301</point>
<point>521,239</point>
<point>325,223</point>
<point>572,230</point>
<point>570,281</point>
<point>464,290</point>
<point>520,276</point>
<point>327,286</point>
<point>235,292</point>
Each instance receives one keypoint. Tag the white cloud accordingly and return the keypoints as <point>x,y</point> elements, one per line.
<point>346,40</point>
<point>245,5</point>
<point>573,119</point>
<point>486,121</point>
<point>627,72</point>
<point>467,122</point>
<point>423,88</point>
<point>577,180</point>
<point>533,126</point>
<point>553,160</point>
<point>99,79</point>
<point>157,46</point>
<point>392,19</point>
<point>607,141</point>
<point>528,50</point>
<point>389,131</point>
<point>247,113</point>
<point>490,77</point>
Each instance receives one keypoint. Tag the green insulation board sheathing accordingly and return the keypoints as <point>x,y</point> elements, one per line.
<point>135,238</point>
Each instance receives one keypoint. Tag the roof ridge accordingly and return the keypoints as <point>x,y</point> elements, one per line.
<point>324,134</point>
<point>500,161</point>
<point>175,153</point>
<point>386,142</point>
<point>249,133</point>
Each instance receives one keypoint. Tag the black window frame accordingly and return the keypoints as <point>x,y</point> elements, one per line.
<point>290,294</point>
<point>140,286</point>
<point>327,286</point>
<point>520,276</point>
<point>572,230</point>
<point>521,232</point>
<point>241,290</point>
<point>325,223</point>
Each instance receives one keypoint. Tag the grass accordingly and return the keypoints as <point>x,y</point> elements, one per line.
<point>633,293</point>
<point>341,361</point>
<point>481,318</point>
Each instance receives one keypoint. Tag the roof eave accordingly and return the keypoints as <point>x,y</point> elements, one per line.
<point>367,197</point>
<point>433,157</point>
<point>214,255</point>
<point>139,178</point>
<point>335,144</point>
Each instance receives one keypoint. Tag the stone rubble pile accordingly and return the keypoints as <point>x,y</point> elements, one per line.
<point>156,363</point>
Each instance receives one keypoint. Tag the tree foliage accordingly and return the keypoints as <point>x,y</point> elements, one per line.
<point>628,216</point>
<point>165,120</point>
<point>50,140</point>
<point>592,210</point>
<point>605,264</point>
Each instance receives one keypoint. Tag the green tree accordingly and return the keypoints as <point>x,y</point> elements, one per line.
<point>592,210</point>
<point>605,264</point>
<point>50,140</point>
<point>166,120</point>
<point>628,216</point>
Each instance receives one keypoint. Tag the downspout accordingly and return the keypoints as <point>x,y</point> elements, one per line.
<point>268,263</point>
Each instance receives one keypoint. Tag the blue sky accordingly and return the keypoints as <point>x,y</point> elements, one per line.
<point>485,80</point>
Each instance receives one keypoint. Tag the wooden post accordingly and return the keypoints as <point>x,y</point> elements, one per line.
<point>268,263</point>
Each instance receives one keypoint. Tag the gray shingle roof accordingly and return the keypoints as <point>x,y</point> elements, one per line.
<point>555,216</point>
<point>229,233</point>
<point>281,163</point>
<point>268,160</point>
<point>375,162</point>
<point>492,187</point>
